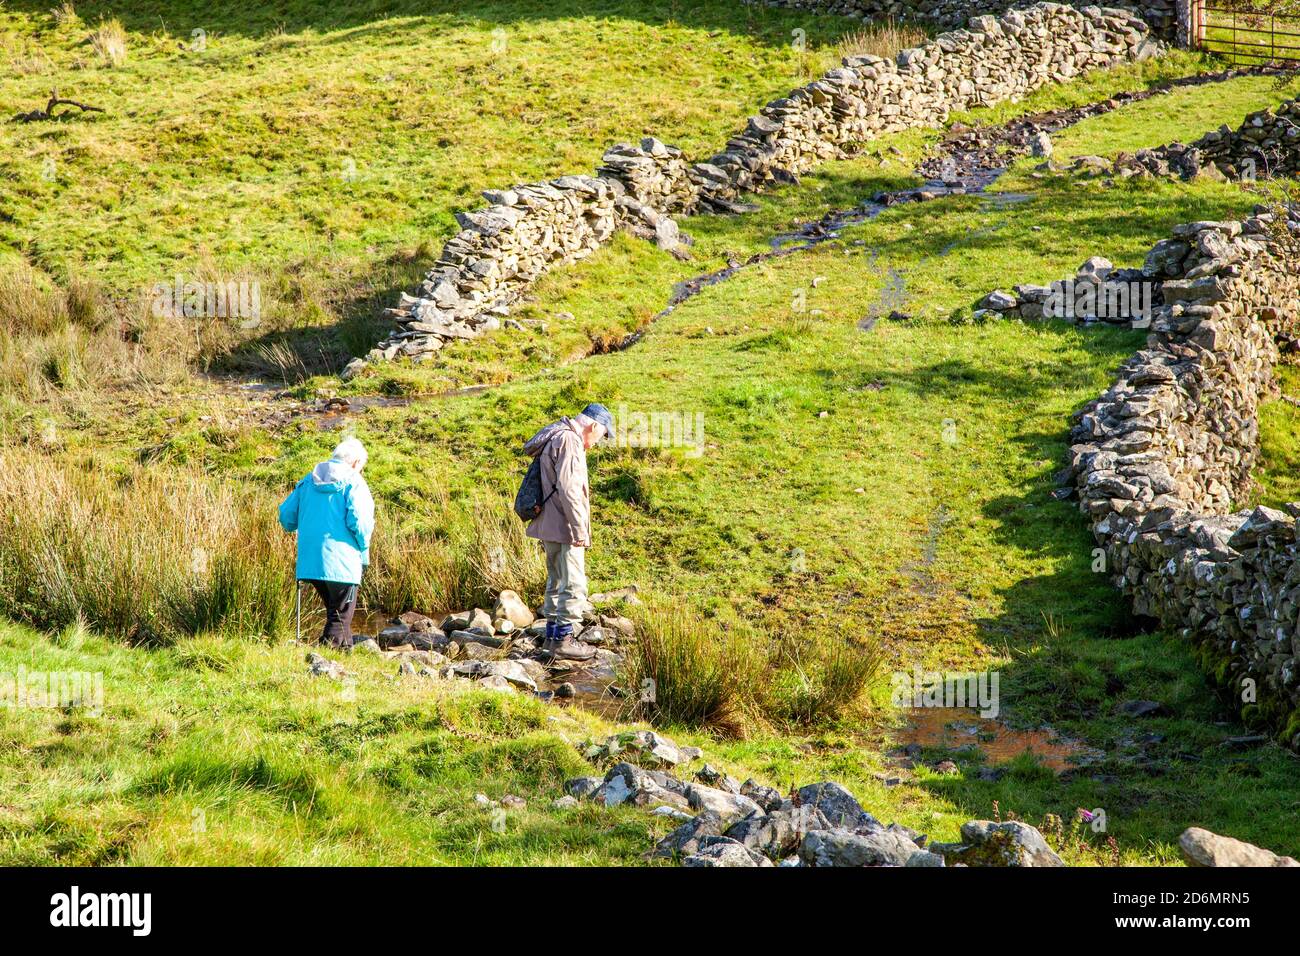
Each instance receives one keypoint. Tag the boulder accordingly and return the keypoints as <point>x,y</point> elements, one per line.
<point>719,851</point>
<point>582,787</point>
<point>729,806</point>
<point>837,805</point>
<point>685,840</point>
<point>511,608</point>
<point>1203,848</point>
<point>769,798</point>
<point>839,847</point>
<point>627,783</point>
<point>1011,843</point>
<point>778,833</point>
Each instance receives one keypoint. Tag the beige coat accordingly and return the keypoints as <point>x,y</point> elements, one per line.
<point>566,516</point>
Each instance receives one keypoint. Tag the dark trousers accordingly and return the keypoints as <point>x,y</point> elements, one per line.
<point>340,602</point>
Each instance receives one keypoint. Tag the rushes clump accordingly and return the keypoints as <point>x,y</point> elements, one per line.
<point>683,669</point>
<point>881,39</point>
<point>109,41</point>
<point>692,671</point>
<point>822,681</point>
<point>147,557</point>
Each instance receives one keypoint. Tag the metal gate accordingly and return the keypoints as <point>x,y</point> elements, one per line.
<point>1247,32</point>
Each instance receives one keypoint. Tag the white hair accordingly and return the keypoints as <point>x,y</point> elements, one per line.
<point>351,450</point>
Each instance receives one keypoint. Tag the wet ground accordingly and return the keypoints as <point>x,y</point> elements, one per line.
<point>593,687</point>
<point>959,731</point>
<point>966,162</point>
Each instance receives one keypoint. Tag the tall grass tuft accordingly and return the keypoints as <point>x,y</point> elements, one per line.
<point>819,681</point>
<point>686,670</point>
<point>73,337</point>
<point>109,41</point>
<point>447,559</point>
<point>147,558</point>
<point>411,570</point>
<point>500,555</point>
<point>65,14</point>
<point>881,39</point>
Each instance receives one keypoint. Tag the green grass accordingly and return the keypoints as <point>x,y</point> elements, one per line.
<point>218,751</point>
<point>221,751</point>
<point>1278,472</point>
<point>296,139</point>
<point>887,489</point>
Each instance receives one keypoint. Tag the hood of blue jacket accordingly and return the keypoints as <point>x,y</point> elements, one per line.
<point>332,477</point>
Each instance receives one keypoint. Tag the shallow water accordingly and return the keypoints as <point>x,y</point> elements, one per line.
<point>594,689</point>
<point>960,728</point>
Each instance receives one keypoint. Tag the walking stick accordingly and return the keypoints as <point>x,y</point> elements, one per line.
<point>298,614</point>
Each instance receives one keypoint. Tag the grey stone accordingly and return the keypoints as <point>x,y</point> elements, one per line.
<point>724,852</point>
<point>1011,843</point>
<point>837,805</point>
<point>838,847</point>
<point>1203,848</point>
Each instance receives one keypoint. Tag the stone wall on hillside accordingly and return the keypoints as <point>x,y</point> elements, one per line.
<point>1161,15</point>
<point>1160,459</point>
<point>990,61</point>
<point>1265,145</point>
<point>529,229</point>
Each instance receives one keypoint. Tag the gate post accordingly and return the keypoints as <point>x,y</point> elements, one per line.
<point>1191,24</point>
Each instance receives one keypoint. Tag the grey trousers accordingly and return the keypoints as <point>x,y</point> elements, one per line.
<point>566,583</point>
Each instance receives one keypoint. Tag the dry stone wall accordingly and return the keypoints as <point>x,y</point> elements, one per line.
<point>1265,145</point>
<point>1161,15</point>
<point>993,60</point>
<point>1159,460</point>
<point>526,230</point>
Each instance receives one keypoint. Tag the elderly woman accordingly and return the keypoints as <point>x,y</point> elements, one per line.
<point>334,515</point>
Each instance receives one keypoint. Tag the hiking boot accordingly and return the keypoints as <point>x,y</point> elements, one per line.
<point>567,649</point>
<point>561,645</point>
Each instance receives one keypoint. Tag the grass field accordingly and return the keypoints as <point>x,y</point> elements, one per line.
<point>885,489</point>
<point>323,154</point>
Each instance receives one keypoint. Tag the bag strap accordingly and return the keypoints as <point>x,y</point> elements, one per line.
<point>554,488</point>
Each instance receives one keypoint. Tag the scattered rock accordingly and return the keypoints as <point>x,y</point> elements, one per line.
<point>511,608</point>
<point>1142,708</point>
<point>837,805</point>
<point>650,747</point>
<point>324,667</point>
<point>1011,843</point>
<point>685,840</point>
<point>838,847</point>
<point>720,851</point>
<point>1203,848</point>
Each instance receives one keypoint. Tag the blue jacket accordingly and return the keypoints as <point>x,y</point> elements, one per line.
<point>334,515</point>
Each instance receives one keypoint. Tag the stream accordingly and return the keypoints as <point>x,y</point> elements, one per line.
<point>967,161</point>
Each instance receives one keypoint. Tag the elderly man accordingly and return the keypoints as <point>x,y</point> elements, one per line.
<point>333,513</point>
<point>564,524</point>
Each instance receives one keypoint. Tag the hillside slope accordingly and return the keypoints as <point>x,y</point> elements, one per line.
<point>885,489</point>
